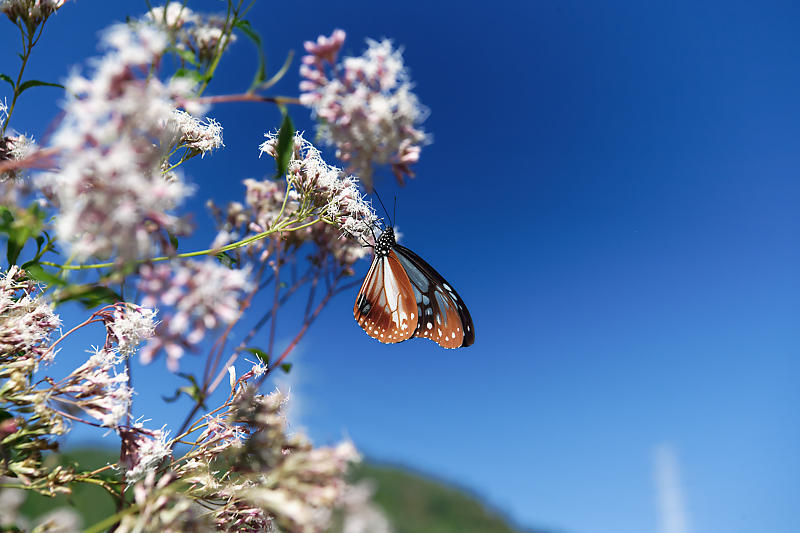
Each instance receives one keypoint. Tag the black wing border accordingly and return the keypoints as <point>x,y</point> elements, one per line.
<point>461,307</point>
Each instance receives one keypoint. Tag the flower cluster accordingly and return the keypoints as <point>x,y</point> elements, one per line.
<point>26,319</point>
<point>293,482</point>
<point>111,191</point>
<point>201,34</point>
<point>196,135</point>
<point>365,106</point>
<point>361,515</point>
<point>30,12</point>
<point>162,507</point>
<point>14,148</point>
<point>203,295</point>
<point>327,188</point>
<point>96,388</point>
<point>142,450</point>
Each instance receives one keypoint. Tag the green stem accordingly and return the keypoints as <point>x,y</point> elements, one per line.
<point>283,226</point>
<point>28,48</point>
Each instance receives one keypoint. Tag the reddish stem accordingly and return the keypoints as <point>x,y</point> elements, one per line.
<point>246,97</point>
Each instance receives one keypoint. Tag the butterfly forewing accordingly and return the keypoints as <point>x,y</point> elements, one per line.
<point>443,315</point>
<point>385,306</point>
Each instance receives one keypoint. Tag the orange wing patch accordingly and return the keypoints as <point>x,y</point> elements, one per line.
<point>385,307</point>
<point>440,321</point>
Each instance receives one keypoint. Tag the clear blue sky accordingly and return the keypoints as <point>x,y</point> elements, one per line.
<point>613,189</point>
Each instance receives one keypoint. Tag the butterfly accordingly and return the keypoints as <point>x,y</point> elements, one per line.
<point>403,296</point>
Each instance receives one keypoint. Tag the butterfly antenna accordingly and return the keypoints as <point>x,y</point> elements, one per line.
<point>394,211</point>
<point>391,223</point>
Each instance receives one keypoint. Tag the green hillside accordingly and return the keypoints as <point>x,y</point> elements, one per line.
<point>413,502</point>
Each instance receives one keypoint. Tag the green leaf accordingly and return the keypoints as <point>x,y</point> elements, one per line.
<point>280,74</point>
<point>193,391</point>
<point>285,146</point>
<point>286,367</point>
<point>173,240</point>
<point>226,259</point>
<point>13,249</point>
<point>20,227</point>
<point>252,34</point>
<point>37,272</point>
<point>186,55</point>
<point>188,73</point>
<point>258,352</point>
<point>25,85</point>
<point>6,218</point>
<point>6,77</point>
<point>88,295</point>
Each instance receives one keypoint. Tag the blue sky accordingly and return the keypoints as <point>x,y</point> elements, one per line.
<point>613,190</point>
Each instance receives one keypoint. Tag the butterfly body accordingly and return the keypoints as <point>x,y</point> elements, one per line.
<point>403,296</point>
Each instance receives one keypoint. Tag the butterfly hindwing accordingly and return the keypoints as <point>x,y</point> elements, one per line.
<point>443,315</point>
<point>385,306</point>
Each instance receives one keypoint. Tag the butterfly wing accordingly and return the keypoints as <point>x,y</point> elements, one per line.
<point>443,315</point>
<point>385,307</point>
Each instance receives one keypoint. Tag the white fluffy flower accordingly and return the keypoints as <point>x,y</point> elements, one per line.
<point>365,106</point>
<point>130,324</point>
<point>203,136</point>
<point>202,295</point>
<point>32,12</point>
<point>330,189</point>
<point>142,451</point>
<point>112,194</point>
<point>26,320</point>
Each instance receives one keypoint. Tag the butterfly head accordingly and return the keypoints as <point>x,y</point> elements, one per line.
<point>385,242</point>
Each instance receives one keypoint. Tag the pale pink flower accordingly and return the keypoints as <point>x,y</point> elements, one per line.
<point>326,48</point>
<point>96,388</point>
<point>26,320</point>
<point>360,514</point>
<point>335,194</point>
<point>112,194</point>
<point>31,12</point>
<point>171,17</point>
<point>202,34</point>
<point>142,450</point>
<point>297,484</point>
<point>195,134</point>
<point>209,35</point>
<point>14,148</point>
<point>202,295</point>
<point>365,106</point>
<point>127,325</point>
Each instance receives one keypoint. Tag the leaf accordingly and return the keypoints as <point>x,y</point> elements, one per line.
<point>285,146</point>
<point>173,240</point>
<point>226,259</point>
<point>89,295</point>
<point>6,77</point>
<point>286,367</point>
<point>187,73</point>
<point>258,352</point>
<point>186,55</point>
<point>37,272</point>
<point>25,85</point>
<point>280,74</point>
<point>13,249</point>
<point>7,218</point>
<point>193,391</point>
<point>261,69</point>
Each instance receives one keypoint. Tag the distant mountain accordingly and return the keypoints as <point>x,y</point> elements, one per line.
<point>413,502</point>
<point>417,503</point>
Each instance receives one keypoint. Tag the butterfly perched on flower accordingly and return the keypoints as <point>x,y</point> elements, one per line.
<point>403,297</point>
